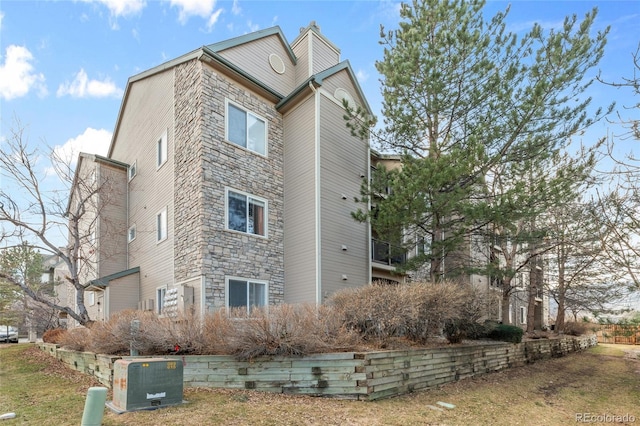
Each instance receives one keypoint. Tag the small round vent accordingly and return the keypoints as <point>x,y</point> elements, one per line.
<point>276,63</point>
<point>341,94</point>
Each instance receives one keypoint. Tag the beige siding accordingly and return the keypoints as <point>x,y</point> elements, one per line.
<point>342,80</point>
<point>323,55</point>
<point>123,293</point>
<point>301,50</point>
<point>344,159</point>
<point>112,226</point>
<point>300,204</point>
<point>253,58</point>
<point>147,115</point>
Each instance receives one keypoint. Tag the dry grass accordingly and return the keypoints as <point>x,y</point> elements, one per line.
<point>603,380</point>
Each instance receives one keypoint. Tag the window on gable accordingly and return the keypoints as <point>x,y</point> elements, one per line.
<point>161,225</point>
<point>131,235</point>
<point>132,170</point>
<point>243,293</point>
<point>246,129</point>
<point>161,150</point>
<point>246,213</point>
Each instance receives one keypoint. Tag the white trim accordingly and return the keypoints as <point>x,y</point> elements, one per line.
<point>133,166</point>
<point>249,196</point>
<point>157,308</point>
<point>131,228</point>
<point>162,150</point>
<point>166,225</point>
<point>228,102</point>
<point>318,200</point>
<point>228,278</point>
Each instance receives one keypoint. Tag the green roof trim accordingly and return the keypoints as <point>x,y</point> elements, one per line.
<point>216,57</point>
<point>104,281</point>
<point>318,80</point>
<point>247,38</point>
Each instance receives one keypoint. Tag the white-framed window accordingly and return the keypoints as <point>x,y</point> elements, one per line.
<point>246,293</point>
<point>131,234</point>
<point>161,292</point>
<point>161,225</point>
<point>523,315</point>
<point>510,314</point>
<point>161,150</point>
<point>246,213</point>
<point>132,170</point>
<point>246,129</point>
<point>92,298</point>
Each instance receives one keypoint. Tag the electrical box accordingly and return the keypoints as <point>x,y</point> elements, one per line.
<point>146,383</point>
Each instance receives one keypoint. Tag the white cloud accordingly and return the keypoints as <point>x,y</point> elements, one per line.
<point>252,27</point>
<point>121,7</point>
<point>362,76</point>
<point>1,18</point>
<point>82,87</point>
<point>213,19</point>
<point>92,141</point>
<point>235,9</point>
<point>201,8</point>
<point>17,75</point>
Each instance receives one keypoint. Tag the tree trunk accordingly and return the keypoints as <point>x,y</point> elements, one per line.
<point>506,299</point>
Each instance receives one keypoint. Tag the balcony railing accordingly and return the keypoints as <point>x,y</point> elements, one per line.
<point>382,252</point>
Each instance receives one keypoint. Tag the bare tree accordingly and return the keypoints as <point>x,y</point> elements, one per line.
<point>29,212</point>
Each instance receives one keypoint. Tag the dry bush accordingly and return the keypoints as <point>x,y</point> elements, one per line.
<point>54,335</point>
<point>415,311</point>
<point>575,328</point>
<point>76,339</point>
<point>182,333</point>
<point>217,327</point>
<point>116,336</point>
<point>291,330</point>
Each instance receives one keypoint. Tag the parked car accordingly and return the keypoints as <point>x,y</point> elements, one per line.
<point>8,334</point>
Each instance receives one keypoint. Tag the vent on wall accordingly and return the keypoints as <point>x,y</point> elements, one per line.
<point>277,64</point>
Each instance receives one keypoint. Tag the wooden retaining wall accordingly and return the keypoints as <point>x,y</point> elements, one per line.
<point>352,375</point>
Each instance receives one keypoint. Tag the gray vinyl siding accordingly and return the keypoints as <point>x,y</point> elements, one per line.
<point>343,160</point>
<point>147,114</point>
<point>123,293</point>
<point>300,202</point>
<point>253,58</point>
<point>112,225</point>
<point>323,55</point>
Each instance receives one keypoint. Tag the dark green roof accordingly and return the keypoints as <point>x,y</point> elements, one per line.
<point>104,281</point>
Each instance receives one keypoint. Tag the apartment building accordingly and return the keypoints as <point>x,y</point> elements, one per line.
<point>234,179</point>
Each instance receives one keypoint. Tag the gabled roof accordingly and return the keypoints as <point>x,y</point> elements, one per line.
<point>247,38</point>
<point>96,158</point>
<point>103,282</point>
<point>318,79</point>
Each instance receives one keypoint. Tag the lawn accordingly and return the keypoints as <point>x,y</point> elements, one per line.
<point>604,380</point>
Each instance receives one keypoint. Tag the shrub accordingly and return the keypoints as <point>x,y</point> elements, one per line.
<point>54,335</point>
<point>507,333</point>
<point>575,328</point>
<point>415,311</point>
<point>76,339</point>
<point>116,336</point>
<point>285,330</point>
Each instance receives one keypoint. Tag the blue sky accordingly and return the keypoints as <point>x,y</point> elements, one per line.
<point>64,64</point>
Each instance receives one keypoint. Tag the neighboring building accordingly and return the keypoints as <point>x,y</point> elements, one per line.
<point>232,178</point>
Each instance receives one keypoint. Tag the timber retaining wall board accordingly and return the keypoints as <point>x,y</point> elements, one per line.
<point>352,375</point>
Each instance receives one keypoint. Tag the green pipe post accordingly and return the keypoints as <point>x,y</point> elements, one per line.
<point>94,406</point>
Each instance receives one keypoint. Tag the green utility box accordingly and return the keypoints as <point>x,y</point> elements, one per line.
<point>146,383</point>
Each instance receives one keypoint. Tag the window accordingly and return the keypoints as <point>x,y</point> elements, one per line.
<point>246,130</point>
<point>161,225</point>
<point>161,150</point>
<point>523,315</point>
<point>132,170</point>
<point>242,293</point>
<point>131,235</point>
<point>161,292</point>
<point>92,298</point>
<point>246,213</point>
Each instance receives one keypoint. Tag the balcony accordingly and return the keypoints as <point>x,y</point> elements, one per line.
<point>386,254</point>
